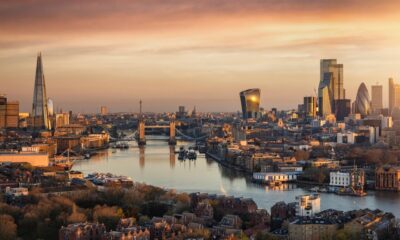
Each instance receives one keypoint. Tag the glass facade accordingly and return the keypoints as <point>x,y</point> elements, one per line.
<point>250,101</point>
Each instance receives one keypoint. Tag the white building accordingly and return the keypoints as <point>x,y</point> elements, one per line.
<point>346,137</point>
<point>340,179</point>
<point>308,205</point>
<point>16,192</point>
<point>275,176</point>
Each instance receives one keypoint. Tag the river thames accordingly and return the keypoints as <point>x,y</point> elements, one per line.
<point>157,164</point>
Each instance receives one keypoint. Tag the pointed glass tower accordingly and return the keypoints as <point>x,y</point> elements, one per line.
<point>40,112</point>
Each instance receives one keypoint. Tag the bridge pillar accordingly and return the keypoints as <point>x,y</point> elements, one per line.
<point>141,129</point>
<point>172,139</point>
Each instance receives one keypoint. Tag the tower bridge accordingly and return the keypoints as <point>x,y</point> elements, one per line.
<point>142,131</point>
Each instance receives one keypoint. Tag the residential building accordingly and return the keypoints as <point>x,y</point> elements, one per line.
<point>308,205</point>
<point>387,178</point>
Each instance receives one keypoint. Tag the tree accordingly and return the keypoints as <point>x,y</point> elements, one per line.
<point>8,229</point>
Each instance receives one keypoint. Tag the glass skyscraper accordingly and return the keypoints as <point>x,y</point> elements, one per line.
<point>40,111</point>
<point>250,101</point>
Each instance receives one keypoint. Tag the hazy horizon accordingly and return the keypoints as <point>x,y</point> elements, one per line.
<point>192,53</point>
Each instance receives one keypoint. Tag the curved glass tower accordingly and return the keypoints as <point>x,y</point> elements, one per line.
<point>250,101</point>
<point>362,104</point>
<point>40,112</point>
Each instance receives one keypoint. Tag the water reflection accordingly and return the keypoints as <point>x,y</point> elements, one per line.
<point>157,164</point>
<point>141,156</point>
<point>172,157</point>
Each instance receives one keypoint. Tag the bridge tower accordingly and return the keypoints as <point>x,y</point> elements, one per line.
<point>141,128</point>
<point>172,139</point>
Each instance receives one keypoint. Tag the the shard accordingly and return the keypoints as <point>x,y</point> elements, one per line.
<point>40,112</point>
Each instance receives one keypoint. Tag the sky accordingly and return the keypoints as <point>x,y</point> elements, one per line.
<point>194,53</point>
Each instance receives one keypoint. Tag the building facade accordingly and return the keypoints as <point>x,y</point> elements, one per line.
<point>362,104</point>
<point>387,178</point>
<point>250,101</point>
<point>310,107</point>
<point>308,205</point>
<point>376,97</point>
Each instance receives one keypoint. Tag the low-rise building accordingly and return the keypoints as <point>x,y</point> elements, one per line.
<point>387,178</point>
<point>275,176</point>
<point>308,205</point>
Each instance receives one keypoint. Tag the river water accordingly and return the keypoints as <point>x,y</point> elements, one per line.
<point>158,165</point>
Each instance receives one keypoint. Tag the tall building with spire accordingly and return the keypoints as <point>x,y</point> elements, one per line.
<point>40,111</point>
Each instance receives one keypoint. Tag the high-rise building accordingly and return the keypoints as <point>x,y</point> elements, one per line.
<point>343,108</point>
<point>40,112</point>
<point>330,86</point>
<point>50,107</point>
<point>250,101</point>
<point>103,110</point>
<point>62,119</point>
<point>362,104</point>
<point>376,97</point>
<point>310,106</point>
<point>9,113</point>
<point>391,95</point>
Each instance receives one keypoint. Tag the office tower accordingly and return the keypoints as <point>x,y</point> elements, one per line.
<point>343,108</point>
<point>330,86</point>
<point>9,113</point>
<point>310,107</point>
<point>250,101</point>
<point>376,97</point>
<point>391,95</point>
<point>40,112</point>
<point>103,110</point>
<point>50,107</point>
<point>362,105</point>
<point>3,111</point>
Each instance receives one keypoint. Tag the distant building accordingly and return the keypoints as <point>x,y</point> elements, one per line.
<point>308,205</point>
<point>62,119</point>
<point>103,110</point>
<point>330,86</point>
<point>310,107</point>
<point>342,108</point>
<point>354,178</point>
<point>40,112</point>
<point>387,178</point>
<point>33,158</point>
<point>362,104</point>
<point>9,113</point>
<point>376,98</point>
<point>250,101</point>
<point>182,113</point>
<point>82,231</point>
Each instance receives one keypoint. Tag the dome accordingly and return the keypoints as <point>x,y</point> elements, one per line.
<point>362,104</point>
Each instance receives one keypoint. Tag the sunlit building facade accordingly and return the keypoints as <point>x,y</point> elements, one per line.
<point>330,86</point>
<point>376,97</point>
<point>40,112</point>
<point>362,104</point>
<point>250,101</point>
<point>310,107</point>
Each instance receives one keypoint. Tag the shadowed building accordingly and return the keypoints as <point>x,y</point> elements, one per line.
<point>40,112</point>
<point>310,107</point>
<point>362,104</point>
<point>250,101</point>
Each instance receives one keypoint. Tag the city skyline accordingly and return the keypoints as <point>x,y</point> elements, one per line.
<point>126,50</point>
